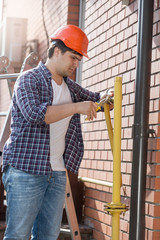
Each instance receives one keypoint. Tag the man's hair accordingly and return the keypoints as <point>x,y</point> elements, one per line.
<point>58,43</point>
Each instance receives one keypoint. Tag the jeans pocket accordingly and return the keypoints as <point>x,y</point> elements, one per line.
<point>4,176</point>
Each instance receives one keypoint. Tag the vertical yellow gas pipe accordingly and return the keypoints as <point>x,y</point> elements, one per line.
<point>115,208</point>
<point>117,157</point>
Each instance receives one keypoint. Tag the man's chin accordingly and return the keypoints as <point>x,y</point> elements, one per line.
<point>65,75</point>
<point>68,74</point>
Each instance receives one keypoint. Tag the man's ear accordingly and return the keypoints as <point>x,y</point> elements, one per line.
<point>57,51</point>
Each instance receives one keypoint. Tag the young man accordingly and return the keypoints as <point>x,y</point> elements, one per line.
<point>45,138</point>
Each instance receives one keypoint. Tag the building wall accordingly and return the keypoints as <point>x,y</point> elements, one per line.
<point>49,16</point>
<point>112,31</point>
<point>153,161</point>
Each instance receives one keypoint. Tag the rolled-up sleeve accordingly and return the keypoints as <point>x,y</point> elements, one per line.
<point>28,99</point>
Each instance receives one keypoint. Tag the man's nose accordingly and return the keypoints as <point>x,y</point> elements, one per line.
<point>76,63</point>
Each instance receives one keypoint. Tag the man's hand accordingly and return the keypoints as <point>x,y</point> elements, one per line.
<point>87,108</point>
<point>107,97</point>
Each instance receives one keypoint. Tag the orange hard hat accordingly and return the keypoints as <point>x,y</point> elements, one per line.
<point>73,37</point>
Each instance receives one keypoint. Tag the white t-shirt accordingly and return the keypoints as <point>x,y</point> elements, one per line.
<point>61,95</point>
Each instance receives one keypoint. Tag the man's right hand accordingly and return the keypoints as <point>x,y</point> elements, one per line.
<point>87,108</point>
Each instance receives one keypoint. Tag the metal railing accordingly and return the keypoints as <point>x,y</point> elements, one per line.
<point>9,76</point>
<point>95,181</point>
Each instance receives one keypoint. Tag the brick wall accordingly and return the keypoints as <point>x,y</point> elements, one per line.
<point>112,31</point>
<point>153,164</point>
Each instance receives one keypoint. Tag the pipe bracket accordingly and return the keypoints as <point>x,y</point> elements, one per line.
<point>112,208</point>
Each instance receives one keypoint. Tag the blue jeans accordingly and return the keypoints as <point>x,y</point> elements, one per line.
<point>34,204</point>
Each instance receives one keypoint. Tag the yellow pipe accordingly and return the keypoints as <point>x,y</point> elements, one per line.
<point>115,225</point>
<point>117,156</point>
<point>109,127</point>
<point>115,208</point>
<point>109,124</point>
<point>117,140</point>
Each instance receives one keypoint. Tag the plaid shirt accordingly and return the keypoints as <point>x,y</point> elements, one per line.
<point>28,147</point>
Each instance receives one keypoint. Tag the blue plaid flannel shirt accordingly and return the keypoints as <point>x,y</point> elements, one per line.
<point>28,147</point>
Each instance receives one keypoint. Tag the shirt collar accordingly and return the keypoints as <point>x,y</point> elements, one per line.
<point>45,70</point>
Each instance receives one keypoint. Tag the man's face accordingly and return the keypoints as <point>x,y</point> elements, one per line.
<point>67,63</point>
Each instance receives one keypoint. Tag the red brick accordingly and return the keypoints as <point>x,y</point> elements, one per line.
<point>158,144</point>
<point>116,28</point>
<point>152,144</point>
<point>124,236</point>
<point>128,32</point>
<point>127,55</point>
<point>156,223</point>
<point>154,92</point>
<point>129,111</point>
<point>154,210</point>
<point>156,16</point>
<point>153,118</point>
<point>124,24</point>
<point>73,2</point>
<point>124,226</point>
<point>97,235</point>
<point>129,89</point>
<point>125,121</point>
<point>155,67</point>
<point>97,155</point>
<point>112,62</point>
<point>123,167</point>
<point>130,144</point>
<point>126,179</point>
<point>132,41</point>
<point>127,155</point>
<point>73,22</point>
<point>115,71</point>
<point>155,29</point>
<point>133,18</point>
<point>156,106</point>
<point>122,67</point>
<point>89,202</point>
<point>73,9</point>
<point>148,182</point>
<point>157,197</point>
<point>156,183</point>
<point>87,164</point>
<point>114,20</point>
<point>119,58</point>
<point>107,165</point>
<point>94,164</point>
<point>153,235</point>
<point>149,222</point>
